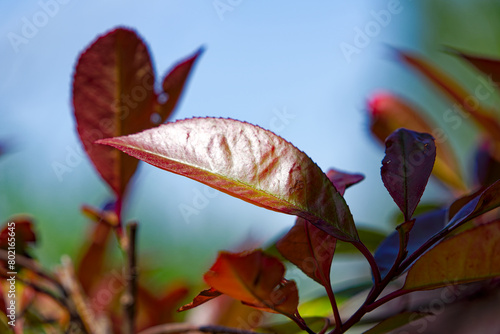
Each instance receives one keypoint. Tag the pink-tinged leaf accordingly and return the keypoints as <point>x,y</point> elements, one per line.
<point>343,180</point>
<point>114,95</point>
<point>310,249</point>
<point>487,200</point>
<point>256,279</point>
<point>174,83</point>
<point>201,298</point>
<point>407,165</point>
<point>247,162</point>
<point>470,256</point>
<point>425,226</point>
<point>389,113</point>
<point>484,118</point>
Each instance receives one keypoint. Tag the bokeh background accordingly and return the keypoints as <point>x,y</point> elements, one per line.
<point>280,64</point>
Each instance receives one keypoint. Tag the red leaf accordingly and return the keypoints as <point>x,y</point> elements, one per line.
<point>487,166</point>
<point>470,256</point>
<point>407,165</point>
<point>255,279</point>
<point>113,95</point>
<point>174,83</point>
<point>342,180</point>
<point>482,117</point>
<point>202,298</point>
<point>487,200</point>
<point>389,113</point>
<point>489,66</point>
<point>310,249</point>
<point>247,162</point>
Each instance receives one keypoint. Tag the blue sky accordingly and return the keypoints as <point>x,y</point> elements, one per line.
<point>277,64</point>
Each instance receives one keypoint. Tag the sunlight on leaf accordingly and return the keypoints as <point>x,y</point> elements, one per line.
<point>114,94</point>
<point>256,279</point>
<point>201,298</point>
<point>247,162</point>
<point>470,256</point>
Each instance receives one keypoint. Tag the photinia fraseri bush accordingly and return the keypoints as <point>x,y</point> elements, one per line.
<point>117,106</point>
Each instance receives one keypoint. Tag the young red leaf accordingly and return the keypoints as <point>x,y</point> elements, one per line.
<point>482,117</point>
<point>247,162</point>
<point>389,113</point>
<point>174,83</point>
<point>470,256</point>
<point>310,249</point>
<point>113,95</point>
<point>256,279</point>
<point>201,298</point>
<point>487,200</point>
<point>343,180</point>
<point>18,232</point>
<point>407,165</point>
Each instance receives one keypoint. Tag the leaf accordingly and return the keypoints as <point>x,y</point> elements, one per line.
<point>483,118</point>
<point>425,226</point>
<point>90,267</point>
<point>174,83</point>
<point>255,279</point>
<point>113,95</point>
<point>489,66</point>
<point>396,322</point>
<point>470,256</point>
<point>310,249</point>
<point>486,201</point>
<point>247,162</point>
<point>389,112</point>
<point>343,180</point>
<point>201,298</point>
<point>407,165</point>
<point>487,166</point>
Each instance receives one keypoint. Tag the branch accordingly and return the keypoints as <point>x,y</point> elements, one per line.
<point>129,298</point>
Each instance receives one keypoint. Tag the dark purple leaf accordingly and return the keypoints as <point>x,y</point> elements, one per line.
<point>408,163</point>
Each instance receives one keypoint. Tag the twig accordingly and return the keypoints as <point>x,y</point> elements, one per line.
<point>76,296</point>
<point>186,328</point>
<point>129,298</point>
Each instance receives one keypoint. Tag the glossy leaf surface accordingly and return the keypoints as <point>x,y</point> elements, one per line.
<point>407,165</point>
<point>201,298</point>
<point>113,95</point>
<point>467,257</point>
<point>389,113</point>
<point>425,226</point>
<point>247,162</point>
<point>487,200</point>
<point>310,249</point>
<point>255,279</point>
